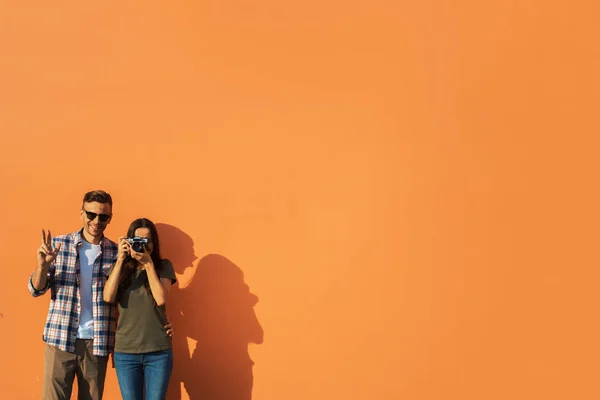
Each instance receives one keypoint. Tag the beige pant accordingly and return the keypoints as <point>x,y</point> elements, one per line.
<point>60,368</point>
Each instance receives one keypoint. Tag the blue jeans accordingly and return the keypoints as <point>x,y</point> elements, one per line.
<point>148,372</point>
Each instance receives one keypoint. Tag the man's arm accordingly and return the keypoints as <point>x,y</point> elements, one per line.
<point>39,278</point>
<point>46,254</point>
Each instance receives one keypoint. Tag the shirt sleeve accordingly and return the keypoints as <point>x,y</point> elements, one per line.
<point>34,292</point>
<point>49,281</point>
<point>109,270</point>
<point>166,271</point>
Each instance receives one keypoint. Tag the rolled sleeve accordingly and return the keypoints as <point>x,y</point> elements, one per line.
<point>34,292</point>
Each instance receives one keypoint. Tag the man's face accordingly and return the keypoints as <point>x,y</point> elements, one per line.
<point>96,216</point>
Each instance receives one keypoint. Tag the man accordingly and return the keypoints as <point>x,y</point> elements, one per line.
<point>80,327</point>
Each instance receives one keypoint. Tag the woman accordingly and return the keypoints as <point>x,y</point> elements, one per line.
<point>140,282</point>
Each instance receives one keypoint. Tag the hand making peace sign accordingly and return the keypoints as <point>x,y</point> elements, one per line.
<point>45,253</point>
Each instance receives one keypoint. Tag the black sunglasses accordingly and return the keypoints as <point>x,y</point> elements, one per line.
<point>92,216</point>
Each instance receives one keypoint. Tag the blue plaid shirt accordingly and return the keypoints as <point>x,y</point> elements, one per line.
<point>64,312</point>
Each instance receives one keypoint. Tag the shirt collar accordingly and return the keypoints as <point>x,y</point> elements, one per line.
<point>78,238</point>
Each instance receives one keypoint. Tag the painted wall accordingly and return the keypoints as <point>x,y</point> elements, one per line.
<point>409,189</point>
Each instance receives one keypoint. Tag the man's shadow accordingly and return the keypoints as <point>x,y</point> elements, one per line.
<point>216,310</point>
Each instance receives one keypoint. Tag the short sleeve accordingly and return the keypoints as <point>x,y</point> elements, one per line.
<point>166,271</point>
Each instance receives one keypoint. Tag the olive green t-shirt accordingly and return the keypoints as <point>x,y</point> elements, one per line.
<point>140,328</point>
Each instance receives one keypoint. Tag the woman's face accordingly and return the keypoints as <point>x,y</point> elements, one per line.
<point>145,233</point>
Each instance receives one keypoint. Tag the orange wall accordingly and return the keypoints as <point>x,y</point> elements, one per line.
<point>410,188</point>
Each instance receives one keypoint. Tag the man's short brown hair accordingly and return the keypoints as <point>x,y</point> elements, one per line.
<point>99,196</point>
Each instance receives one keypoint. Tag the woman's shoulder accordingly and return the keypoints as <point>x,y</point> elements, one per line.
<point>167,270</point>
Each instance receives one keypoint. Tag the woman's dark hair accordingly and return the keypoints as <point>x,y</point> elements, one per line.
<point>130,264</point>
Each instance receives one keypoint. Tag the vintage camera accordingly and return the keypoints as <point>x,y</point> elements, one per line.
<point>137,243</point>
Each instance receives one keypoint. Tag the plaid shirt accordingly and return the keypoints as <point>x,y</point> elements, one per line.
<point>64,312</point>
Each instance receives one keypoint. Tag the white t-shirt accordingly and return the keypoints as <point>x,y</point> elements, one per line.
<point>87,255</point>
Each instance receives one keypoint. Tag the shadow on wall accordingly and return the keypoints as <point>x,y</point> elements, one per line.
<point>215,309</point>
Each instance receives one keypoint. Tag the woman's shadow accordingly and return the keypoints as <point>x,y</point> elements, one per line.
<point>215,309</point>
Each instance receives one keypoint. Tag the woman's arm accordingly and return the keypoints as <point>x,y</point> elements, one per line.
<point>112,284</point>
<point>158,286</point>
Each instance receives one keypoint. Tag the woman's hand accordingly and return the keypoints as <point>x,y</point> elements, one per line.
<point>169,329</point>
<point>124,248</point>
<point>143,258</point>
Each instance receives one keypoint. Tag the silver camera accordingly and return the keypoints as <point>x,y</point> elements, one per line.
<point>137,243</point>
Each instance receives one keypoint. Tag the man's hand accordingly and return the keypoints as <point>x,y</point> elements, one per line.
<point>45,253</point>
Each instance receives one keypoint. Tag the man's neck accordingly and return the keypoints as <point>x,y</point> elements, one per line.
<point>91,239</point>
